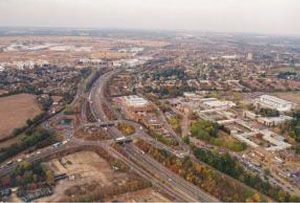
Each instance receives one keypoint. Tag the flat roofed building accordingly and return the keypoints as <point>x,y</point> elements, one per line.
<point>135,101</point>
<point>275,103</point>
<point>215,103</point>
<point>135,107</point>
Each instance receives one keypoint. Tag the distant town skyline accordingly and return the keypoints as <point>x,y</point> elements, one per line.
<point>246,16</point>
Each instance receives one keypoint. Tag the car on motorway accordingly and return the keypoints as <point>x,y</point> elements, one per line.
<point>38,152</point>
<point>9,163</point>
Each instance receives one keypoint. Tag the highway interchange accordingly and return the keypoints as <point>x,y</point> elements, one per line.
<point>161,178</point>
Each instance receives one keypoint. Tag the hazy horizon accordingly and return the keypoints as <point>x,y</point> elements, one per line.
<point>277,17</point>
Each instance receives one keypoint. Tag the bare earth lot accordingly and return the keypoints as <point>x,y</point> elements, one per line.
<point>87,172</point>
<point>15,110</point>
<point>146,195</point>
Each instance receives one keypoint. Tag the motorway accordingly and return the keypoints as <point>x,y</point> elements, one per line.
<point>188,191</point>
<point>161,178</point>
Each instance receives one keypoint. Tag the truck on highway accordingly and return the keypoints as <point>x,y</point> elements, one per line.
<point>9,163</point>
<point>57,144</point>
<point>122,140</point>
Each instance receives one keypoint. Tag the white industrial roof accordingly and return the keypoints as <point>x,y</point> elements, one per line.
<point>135,100</point>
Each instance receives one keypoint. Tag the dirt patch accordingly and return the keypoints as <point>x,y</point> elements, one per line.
<point>146,195</point>
<point>87,171</point>
<point>15,110</point>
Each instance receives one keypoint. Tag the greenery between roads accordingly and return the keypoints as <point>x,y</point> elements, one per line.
<point>170,141</point>
<point>126,128</point>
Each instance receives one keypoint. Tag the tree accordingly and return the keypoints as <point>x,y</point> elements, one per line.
<point>49,177</point>
<point>186,140</point>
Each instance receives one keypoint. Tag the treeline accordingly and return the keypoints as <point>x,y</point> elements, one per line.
<point>30,124</point>
<point>93,78</point>
<point>294,127</point>
<point>202,176</point>
<point>170,91</point>
<point>32,138</point>
<point>286,75</point>
<point>230,166</point>
<point>169,72</point>
<point>28,89</point>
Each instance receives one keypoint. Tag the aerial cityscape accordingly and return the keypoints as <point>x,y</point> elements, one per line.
<point>181,109</point>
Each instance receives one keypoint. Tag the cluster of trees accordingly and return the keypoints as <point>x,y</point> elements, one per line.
<point>169,72</point>
<point>286,75</point>
<point>27,175</point>
<point>69,96</point>
<point>174,91</point>
<point>46,103</point>
<point>228,165</point>
<point>202,176</point>
<point>205,130</point>
<point>175,123</point>
<point>267,112</point>
<point>85,72</point>
<point>297,149</point>
<point>215,134</point>
<point>294,127</point>
<point>31,139</point>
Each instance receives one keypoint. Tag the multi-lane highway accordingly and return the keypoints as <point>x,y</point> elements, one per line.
<point>162,178</point>
<point>179,186</point>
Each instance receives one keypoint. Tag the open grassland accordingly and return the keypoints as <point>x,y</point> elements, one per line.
<point>15,110</point>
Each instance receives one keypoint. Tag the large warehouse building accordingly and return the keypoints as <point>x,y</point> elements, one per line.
<point>135,107</point>
<point>275,103</point>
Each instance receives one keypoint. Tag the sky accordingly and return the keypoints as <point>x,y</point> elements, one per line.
<point>253,16</point>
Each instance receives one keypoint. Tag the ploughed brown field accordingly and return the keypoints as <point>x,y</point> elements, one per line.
<point>15,110</point>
